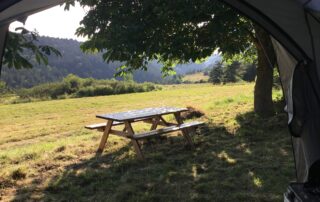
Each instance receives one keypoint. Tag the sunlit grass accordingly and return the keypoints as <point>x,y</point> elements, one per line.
<point>196,77</point>
<point>46,154</point>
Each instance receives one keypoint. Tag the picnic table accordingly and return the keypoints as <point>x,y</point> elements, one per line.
<point>153,116</point>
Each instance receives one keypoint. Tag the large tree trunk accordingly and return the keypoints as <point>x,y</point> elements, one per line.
<point>263,104</point>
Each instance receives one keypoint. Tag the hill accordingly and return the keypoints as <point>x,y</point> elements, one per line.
<point>74,61</point>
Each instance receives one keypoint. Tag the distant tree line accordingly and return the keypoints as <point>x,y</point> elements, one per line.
<point>74,61</point>
<point>231,73</point>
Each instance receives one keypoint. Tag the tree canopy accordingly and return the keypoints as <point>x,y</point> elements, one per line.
<point>20,43</point>
<point>216,73</point>
<point>168,31</point>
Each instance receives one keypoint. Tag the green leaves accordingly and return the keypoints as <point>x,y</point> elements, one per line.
<point>171,32</point>
<point>22,47</point>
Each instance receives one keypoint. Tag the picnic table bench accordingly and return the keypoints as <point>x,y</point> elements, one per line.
<point>153,116</point>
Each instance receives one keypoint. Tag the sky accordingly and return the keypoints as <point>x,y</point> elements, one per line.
<point>55,22</point>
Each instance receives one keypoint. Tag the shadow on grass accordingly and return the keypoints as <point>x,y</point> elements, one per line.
<point>251,161</point>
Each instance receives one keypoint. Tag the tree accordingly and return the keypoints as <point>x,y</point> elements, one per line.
<point>128,77</point>
<point>230,71</point>
<point>215,74</point>
<point>21,45</point>
<point>172,32</point>
<point>248,72</point>
<point>3,87</point>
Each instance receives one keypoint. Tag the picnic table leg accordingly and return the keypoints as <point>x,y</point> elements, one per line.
<point>135,143</point>
<point>105,136</point>
<point>155,122</point>
<point>164,121</point>
<point>185,132</point>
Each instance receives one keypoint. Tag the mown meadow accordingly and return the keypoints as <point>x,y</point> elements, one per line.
<point>46,154</point>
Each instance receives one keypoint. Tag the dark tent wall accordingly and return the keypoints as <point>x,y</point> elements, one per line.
<point>284,20</point>
<point>7,3</point>
<point>295,27</point>
<point>286,64</point>
<point>296,30</point>
<point>303,112</point>
<point>311,5</point>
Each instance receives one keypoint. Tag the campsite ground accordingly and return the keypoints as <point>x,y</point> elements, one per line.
<point>46,154</point>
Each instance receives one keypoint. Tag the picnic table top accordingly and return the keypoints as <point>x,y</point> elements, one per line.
<point>141,113</point>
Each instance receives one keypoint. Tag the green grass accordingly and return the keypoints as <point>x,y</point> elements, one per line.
<point>46,154</point>
<point>196,77</point>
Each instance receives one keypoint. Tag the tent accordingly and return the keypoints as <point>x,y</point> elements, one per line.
<point>295,29</point>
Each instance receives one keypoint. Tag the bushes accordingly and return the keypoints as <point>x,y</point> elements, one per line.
<point>94,91</point>
<point>73,86</point>
<point>45,91</point>
<point>3,87</point>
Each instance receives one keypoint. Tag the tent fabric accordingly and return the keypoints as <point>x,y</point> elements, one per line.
<point>301,105</point>
<point>12,10</point>
<point>252,12</point>
<point>306,121</point>
<point>313,5</point>
<point>289,16</point>
<point>285,20</point>
<point>295,27</point>
<point>286,64</point>
<point>4,4</point>
<point>25,8</point>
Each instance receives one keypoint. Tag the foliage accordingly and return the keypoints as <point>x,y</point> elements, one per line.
<point>248,72</point>
<point>175,79</point>
<point>22,41</point>
<point>73,86</point>
<point>3,87</point>
<point>171,32</point>
<point>216,74</point>
<point>230,72</point>
<point>128,77</point>
<point>276,78</point>
<point>175,32</point>
<point>233,72</point>
<point>74,61</point>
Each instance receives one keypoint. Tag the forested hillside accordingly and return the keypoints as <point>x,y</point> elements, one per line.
<point>74,61</point>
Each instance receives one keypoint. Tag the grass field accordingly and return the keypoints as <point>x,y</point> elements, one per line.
<point>46,154</point>
<point>196,77</point>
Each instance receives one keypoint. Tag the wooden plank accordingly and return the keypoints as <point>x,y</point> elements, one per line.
<point>105,137</point>
<point>161,123</point>
<point>185,132</point>
<point>164,121</point>
<point>101,126</point>
<point>165,130</point>
<point>134,142</point>
<point>155,122</point>
<point>118,133</point>
<point>142,113</point>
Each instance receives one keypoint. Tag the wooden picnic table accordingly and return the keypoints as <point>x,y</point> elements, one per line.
<point>154,116</point>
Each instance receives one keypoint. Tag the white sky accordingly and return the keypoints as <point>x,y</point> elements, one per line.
<point>55,22</point>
